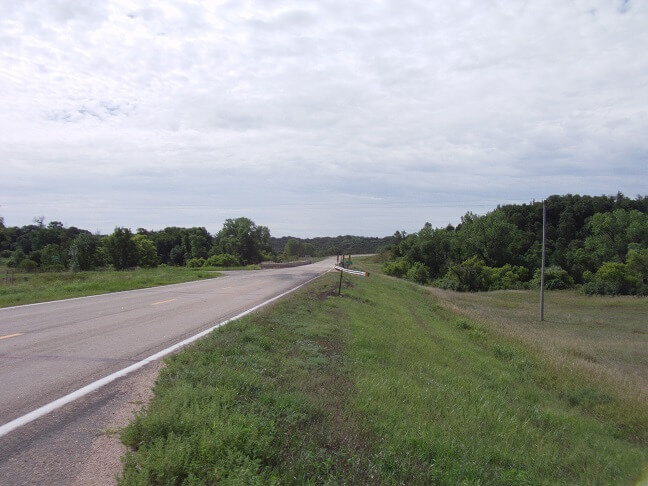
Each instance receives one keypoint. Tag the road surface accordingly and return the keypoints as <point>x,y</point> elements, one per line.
<point>49,350</point>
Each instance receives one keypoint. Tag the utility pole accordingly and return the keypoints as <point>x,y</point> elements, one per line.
<point>542,274</point>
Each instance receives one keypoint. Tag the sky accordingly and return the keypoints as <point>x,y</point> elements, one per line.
<point>316,118</point>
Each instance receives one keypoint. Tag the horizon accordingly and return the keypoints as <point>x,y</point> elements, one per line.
<point>214,232</point>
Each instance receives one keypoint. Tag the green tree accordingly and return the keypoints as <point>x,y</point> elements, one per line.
<point>242,238</point>
<point>86,248</point>
<point>614,278</point>
<point>492,238</point>
<point>53,256</point>
<point>612,233</point>
<point>637,262</point>
<point>121,249</point>
<point>294,248</point>
<point>177,255</point>
<point>146,252</point>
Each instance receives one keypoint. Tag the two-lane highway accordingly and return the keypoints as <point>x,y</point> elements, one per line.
<point>49,350</point>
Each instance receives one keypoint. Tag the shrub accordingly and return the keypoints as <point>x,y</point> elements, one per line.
<point>555,278</point>
<point>469,276</point>
<point>222,260</point>
<point>614,278</point>
<point>196,262</point>
<point>397,268</point>
<point>28,265</point>
<point>418,273</point>
<point>506,277</point>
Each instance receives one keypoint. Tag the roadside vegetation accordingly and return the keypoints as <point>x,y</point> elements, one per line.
<point>241,243</point>
<point>599,244</point>
<point>389,384</point>
<point>28,288</point>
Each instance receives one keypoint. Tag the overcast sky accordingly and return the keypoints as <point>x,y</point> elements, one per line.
<point>316,118</point>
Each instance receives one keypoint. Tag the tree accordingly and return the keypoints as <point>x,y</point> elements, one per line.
<point>492,238</point>
<point>242,238</point>
<point>177,255</point>
<point>146,252</point>
<point>294,248</point>
<point>85,247</point>
<point>199,242</point>
<point>637,262</point>
<point>121,249</point>
<point>611,233</point>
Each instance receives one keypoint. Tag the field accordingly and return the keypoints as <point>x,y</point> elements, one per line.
<point>387,384</point>
<point>41,287</point>
<point>604,337</point>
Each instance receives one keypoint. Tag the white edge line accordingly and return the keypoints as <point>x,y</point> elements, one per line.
<point>50,407</point>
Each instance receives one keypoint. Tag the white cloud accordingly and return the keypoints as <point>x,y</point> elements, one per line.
<point>333,117</point>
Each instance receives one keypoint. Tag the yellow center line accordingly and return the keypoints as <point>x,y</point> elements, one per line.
<point>163,302</point>
<point>11,335</point>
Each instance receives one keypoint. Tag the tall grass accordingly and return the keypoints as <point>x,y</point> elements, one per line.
<point>602,336</point>
<point>380,386</point>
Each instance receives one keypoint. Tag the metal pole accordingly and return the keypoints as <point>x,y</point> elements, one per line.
<point>542,274</point>
<point>341,273</point>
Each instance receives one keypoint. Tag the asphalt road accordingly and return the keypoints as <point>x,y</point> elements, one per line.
<point>49,350</point>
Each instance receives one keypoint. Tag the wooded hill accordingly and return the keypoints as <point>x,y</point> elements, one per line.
<point>598,241</point>
<point>333,245</point>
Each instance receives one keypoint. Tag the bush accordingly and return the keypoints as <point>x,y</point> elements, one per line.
<point>470,275</point>
<point>418,273</point>
<point>196,262</point>
<point>507,277</point>
<point>614,278</point>
<point>222,260</point>
<point>28,265</point>
<point>555,278</point>
<point>397,268</point>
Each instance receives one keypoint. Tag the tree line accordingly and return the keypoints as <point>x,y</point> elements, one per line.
<point>330,245</point>
<point>597,242</point>
<point>53,247</point>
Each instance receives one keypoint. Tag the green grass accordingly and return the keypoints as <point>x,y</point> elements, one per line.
<point>380,386</point>
<point>42,287</point>
<point>602,336</point>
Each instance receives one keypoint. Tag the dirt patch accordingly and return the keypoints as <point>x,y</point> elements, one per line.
<point>103,464</point>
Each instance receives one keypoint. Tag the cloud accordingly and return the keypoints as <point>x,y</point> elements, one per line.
<point>391,113</point>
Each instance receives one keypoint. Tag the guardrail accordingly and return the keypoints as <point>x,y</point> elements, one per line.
<point>285,264</point>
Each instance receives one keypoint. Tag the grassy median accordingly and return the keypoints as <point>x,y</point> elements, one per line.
<point>381,385</point>
<point>28,288</point>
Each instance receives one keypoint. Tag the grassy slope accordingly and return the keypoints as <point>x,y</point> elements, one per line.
<point>603,336</point>
<point>41,287</point>
<point>382,385</point>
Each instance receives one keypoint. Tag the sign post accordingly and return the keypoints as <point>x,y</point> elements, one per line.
<point>342,267</point>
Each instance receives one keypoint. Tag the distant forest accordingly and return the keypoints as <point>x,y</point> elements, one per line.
<point>597,242</point>
<point>333,245</point>
<point>53,247</point>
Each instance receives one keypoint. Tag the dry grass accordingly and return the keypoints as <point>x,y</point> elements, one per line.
<point>605,337</point>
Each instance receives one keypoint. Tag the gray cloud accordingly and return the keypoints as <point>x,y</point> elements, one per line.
<point>387,113</point>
